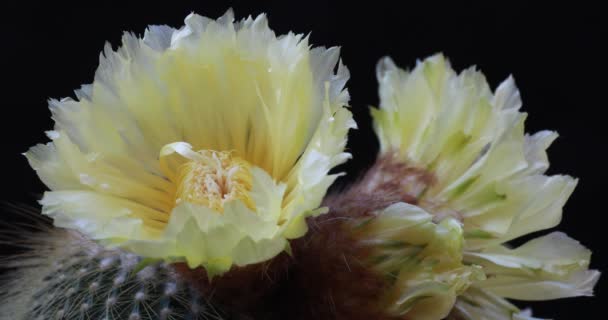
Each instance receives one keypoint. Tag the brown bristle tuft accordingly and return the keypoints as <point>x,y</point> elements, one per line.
<point>329,278</point>
<point>242,289</point>
<point>392,178</point>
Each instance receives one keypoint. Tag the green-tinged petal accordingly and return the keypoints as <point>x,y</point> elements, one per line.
<point>579,283</point>
<point>477,304</point>
<point>550,267</point>
<point>102,217</point>
<point>534,213</point>
<point>311,176</point>
<point>421,258</point>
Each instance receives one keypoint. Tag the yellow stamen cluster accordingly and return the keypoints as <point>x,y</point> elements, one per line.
<point>213,179</point>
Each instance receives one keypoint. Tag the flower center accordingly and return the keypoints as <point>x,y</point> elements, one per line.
<point>400,181</point>
<point>213,179</point>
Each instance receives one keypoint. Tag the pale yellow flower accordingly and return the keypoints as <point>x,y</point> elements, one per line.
<point>422,259</point>
<point>487,174</point>
<point>211,143</point>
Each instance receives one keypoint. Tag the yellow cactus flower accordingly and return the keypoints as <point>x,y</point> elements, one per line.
<point>209,144</point>
<point>423,259</point>
<point>466,157</point>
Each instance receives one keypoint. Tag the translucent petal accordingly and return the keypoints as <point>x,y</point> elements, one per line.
<point>424,258</point>
<point>477,304</point>
<point>550,267</point>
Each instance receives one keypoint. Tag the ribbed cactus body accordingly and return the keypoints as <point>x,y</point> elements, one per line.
<point>109,286</point>
<point>68,277</point>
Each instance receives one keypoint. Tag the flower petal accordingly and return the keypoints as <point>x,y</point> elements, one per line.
<point>477,304</point>
<point>550,267</point>
<point>424,258</point>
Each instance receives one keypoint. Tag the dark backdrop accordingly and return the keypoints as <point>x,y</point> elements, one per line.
<point>557,56</point>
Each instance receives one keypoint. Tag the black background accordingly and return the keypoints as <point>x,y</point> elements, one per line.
<point>556,55</point>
